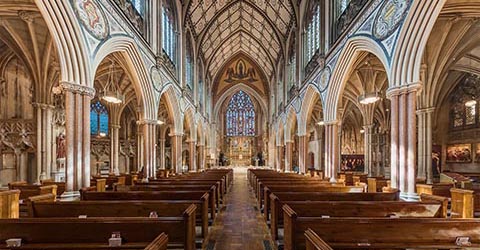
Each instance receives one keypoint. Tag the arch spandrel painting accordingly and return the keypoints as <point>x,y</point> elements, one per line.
<point>240,70</point>
<point>91,15</point>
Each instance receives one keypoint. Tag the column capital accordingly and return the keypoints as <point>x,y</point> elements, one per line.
<point>425,110</point>
<point>116,126</point>
<point>289,141</point>
<point>42,105</point>
<point>403,89</point>
<point>147,122</point>
<point>175,134</point>
<point>332,122</point>
<point>77,89</point>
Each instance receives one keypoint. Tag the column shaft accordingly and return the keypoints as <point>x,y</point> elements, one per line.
<point>303,153</point>
<point>288,156</point>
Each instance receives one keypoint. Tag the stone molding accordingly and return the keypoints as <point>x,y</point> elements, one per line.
<point>77,89</point>
<point>403,89</point>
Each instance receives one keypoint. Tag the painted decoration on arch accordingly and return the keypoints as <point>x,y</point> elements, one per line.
<point>459,153</point>
<point>324,79</point>
<point>157,80</point>
<point>91,16</point>
<point>240,72</point>
<point>389,18</point>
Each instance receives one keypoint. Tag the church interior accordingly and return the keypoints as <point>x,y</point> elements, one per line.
<point>240,124</point>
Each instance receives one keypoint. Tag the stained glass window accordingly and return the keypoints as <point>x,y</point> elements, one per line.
<point>292,63</point>
<point>189,64</point>
<point>240,115</point>
<point>98,119</point>
<point>312,39</point>
<point>139,6</point>
<point>168,32</point>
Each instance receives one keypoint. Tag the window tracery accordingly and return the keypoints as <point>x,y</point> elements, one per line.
<point>98,119</point>
<point>189,64</point>
<point>169,36</point>
<point>464,103</point>
<point>312,39</point>
<point>240,115</point>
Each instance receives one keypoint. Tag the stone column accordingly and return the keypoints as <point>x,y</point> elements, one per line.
<point>114,148</point>
<point>139,146</point>
<point>77,131</point>
<point>161,150</point>
<point>303,153</point>
<point>278,164</point>
<point>368,151</point>
<point>44,140</point>
<point>148,151</point>
<point>288,156</point>
<point>177,152</point>
<point>201,155</point>
<point>193,155</point>
<point>403,138</point>
<point>425,144</point>
<point>332,150</point>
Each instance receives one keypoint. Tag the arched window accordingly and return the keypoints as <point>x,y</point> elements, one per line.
<point>292,64</point>
<point>312,34</point>
<point>200,96</point>
<point>169,37</point>
<point>240,115</point>
<point>98,119</point>
<point>139,6</point>
<point>340,7</point>
<point>464,106</point>
<point>189,63</point>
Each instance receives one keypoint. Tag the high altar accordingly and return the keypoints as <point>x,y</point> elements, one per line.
<point>240,150</point>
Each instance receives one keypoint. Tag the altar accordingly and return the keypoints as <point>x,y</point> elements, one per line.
<point>240,150</point>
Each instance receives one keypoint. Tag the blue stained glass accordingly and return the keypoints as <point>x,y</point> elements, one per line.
<point>240,115</point>
<point>98,118</point>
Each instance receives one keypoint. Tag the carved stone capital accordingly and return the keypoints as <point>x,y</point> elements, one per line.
<point>43,105</point>
<point>26,16</point>
<point>78,89</point>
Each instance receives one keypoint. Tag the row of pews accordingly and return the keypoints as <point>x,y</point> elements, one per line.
<point>305,212</point>
<point>173,213</point>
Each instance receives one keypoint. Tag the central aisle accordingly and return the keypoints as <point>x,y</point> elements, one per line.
<point>239,224</point>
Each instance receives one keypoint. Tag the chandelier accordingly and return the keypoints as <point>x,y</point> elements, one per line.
<point>111,92</point>
<point>369,98</point>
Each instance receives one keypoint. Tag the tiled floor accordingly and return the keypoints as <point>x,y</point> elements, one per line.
<point>239,224</point>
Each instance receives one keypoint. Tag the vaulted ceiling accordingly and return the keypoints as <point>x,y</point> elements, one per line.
<point>224,28</point>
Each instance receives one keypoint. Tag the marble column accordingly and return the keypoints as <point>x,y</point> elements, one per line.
<point>288,156</point>
<point>279,165</point>
<point>201,155</point>
<point>425,144</point>
<point>44,140</point>
<point>303,153</point>
<point>177,152</point>
<point>77,131</point>
<point>148,150</point>
<point>161,151</point>
<point>368,150</point>
<point>403,138</point>
<point>332,150</point>
<point>193,155</point>
<point>114,148</point>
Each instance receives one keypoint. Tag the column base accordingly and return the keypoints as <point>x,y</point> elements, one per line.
<point>42,176</point>
<point>333,180</point>
<point>409,196</point>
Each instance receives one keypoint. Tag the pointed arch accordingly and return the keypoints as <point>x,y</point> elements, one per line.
<point>290,122</point>
<point>173,106</point>
<point>343,68</point>
<point>311,96</point>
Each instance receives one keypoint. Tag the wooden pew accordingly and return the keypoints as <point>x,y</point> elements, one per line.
<point>359,209</point>
<point>27,190</point>
<point>462,203</point>
<point>151,195</point>
<point>440,189</point>
<point>60,185</point>
<point>376,184</point>
<point>10,204</point>
<point>93,233</point>
<point>435,198</point>
<point>313,188</point>
<point>124,208</point>
<point>314,242</point>
<point>383,233</point>
<point>211,189</point>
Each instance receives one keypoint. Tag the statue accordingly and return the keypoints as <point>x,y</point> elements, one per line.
<point>61,150</point>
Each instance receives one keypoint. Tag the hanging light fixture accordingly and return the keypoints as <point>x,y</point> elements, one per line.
<point>369,98</point>
<point>111,92</point>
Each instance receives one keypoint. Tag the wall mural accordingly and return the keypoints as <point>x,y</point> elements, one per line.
<point>389,17</point>
<point>240,73</point>
<point>91,16</point>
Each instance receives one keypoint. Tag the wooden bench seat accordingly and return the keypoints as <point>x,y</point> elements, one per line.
<point>278,199</point>
<point>151,195</point>
<point>28,190</point>
<point>357,209</point>
<point>166,208</point>
<point>50,231</point>
<point>327,234</point>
